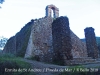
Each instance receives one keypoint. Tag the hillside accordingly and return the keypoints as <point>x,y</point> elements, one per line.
<point>98,42</point>
<point>12,65</point>
<point>97,39</point>
<point>0,51</point>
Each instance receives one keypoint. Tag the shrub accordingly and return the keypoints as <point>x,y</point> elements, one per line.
<point>14,64</point>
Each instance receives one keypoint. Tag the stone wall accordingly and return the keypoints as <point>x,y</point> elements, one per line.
<point>35,40</point>
<point>78,47</point>
<point>92,48</point>
<point>18,43</point>
<point>51,40</point>
<point>48,40</point>
<point>40,42</point>
<point>66,44</point>
<point>61,40</point>
<point>10,46</point>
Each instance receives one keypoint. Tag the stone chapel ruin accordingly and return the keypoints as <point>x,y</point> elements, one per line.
<point>51,40</point>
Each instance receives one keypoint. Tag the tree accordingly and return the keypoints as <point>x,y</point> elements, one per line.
<point>1,1</point>
<point>3,41</point>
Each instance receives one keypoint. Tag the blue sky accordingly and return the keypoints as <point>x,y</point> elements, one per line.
<point>14,14</point>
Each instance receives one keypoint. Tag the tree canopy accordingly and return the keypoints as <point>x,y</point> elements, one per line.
<point>1,1</point>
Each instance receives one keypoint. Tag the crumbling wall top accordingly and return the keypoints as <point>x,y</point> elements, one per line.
<point>52,7</point>
<point>55,11</point>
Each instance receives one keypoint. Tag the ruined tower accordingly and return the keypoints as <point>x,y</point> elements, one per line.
<point>91,44</point>
<point>61,40</point>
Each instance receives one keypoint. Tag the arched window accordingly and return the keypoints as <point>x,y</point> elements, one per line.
<point>49,10</point>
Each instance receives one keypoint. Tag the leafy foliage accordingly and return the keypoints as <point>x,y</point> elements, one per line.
<point>98,40</point>
<point>9,61</point>
<point>1,1</point>
<point>3,41</point>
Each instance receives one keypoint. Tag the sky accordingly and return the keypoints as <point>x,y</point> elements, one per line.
<point>14,14</point>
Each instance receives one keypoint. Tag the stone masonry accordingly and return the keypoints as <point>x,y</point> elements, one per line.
<point>50,39</point>
<point>66,44</point>
<point>78,47</point>
<point>40,41</point>
<point>10,46</point>
<point>17,44</point>
<point>92,48</point>
<point>61,39</point>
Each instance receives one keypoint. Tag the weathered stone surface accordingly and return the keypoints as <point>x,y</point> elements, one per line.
<point>78,47</point>
<point>51,40</point>
<point>10,46</point>
<point>66,44</point>
<point>40,42</point>
<point>92,48</point>
<point>55,11</point>
<point>61,39</point>
<point>18,43</point>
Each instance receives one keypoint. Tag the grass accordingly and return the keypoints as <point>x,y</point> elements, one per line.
<point>12,65</point>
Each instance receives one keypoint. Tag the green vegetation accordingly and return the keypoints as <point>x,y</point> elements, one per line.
<point>54,18</point>
<point>12,65</point>
<point>56,62</point>
<point>97,40</point>
<point>3,41</point>
<point>0,51</point>
<point>23,50</point>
